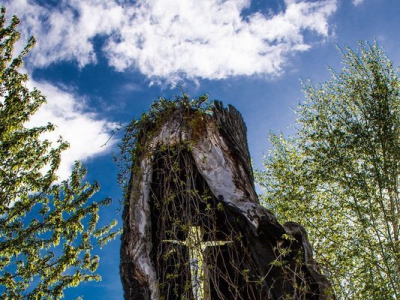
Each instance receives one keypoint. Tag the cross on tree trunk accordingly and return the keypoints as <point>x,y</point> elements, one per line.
<point>197,262</point>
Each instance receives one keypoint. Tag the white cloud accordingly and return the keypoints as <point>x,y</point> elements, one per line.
<point>65,32</point>
<point>175,39</point>
<point>85,133</point>
<point>357,2</point>
<point>210,39</point>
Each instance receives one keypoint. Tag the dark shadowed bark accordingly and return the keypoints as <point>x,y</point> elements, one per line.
<point>194,176</point>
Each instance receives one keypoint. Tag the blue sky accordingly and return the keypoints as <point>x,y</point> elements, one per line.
<point>101,63</point>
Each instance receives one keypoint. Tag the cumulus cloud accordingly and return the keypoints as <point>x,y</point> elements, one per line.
<point>85,133</point>
<point>65,32</point>
<point>210,39</point>
<point>175,39</point>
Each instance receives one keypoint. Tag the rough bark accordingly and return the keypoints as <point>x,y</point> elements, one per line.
<point>217,152</point>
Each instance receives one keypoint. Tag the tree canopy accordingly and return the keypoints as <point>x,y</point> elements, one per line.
<point>47,229</point>
<point>338,174</point>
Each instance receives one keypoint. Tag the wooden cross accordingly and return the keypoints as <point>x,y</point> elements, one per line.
<point>196,245</point>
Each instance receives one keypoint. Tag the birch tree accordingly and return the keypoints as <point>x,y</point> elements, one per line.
<point>339,174</point>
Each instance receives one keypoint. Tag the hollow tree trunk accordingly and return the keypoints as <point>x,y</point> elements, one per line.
<point>192,191</point>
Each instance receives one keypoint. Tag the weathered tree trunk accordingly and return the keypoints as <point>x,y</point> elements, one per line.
<point>194,175</point>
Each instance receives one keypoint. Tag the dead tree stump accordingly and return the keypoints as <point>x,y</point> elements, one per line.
<point>193,226</point>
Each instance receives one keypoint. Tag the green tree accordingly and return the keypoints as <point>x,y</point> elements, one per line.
<point>47,229</point>
<point>338,175</point>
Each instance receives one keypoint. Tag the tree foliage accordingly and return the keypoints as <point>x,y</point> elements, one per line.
<point>47,229</point>
<point>339,175</point>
